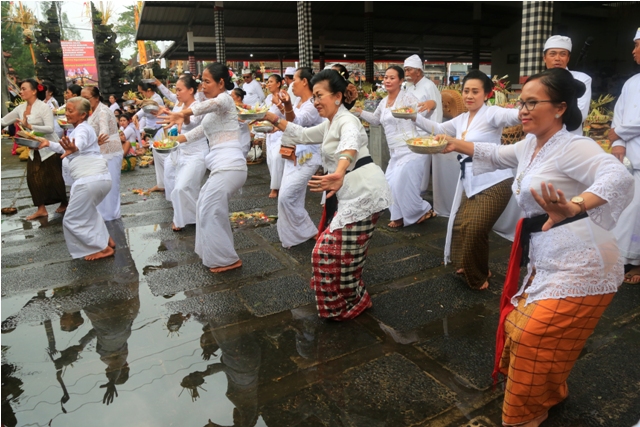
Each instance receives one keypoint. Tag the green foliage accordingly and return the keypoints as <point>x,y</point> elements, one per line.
<point>13,42</point>
<point>125,28</point>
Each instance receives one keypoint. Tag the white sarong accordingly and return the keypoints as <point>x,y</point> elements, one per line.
<point>275,162</point>
<point>404,175</point>
<point>294,224</point>
<point>109,208</point>
<point>627,230</point>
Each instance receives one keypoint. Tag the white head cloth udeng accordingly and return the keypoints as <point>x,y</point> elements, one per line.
<point>246,71</point>
<point>637,37</point>
<point>290,71</point>
<point>413,61</point>
<point>558,42</point>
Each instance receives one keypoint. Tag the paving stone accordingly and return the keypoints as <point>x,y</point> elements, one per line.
<point>393,264</point>
<point>28,254</point>
<point>154,217</point>
<point>256,263</point>
<point>417,305</point>
<point>270,233</point>
<point>468,352</point>
<point>391,391</point>
<point>625,301</point>
<point>241,240</point>
<point>275,295</point>
<point>251,204</point>
<point>146,206</point>
<point>179,279</point>
<point>603,387</point>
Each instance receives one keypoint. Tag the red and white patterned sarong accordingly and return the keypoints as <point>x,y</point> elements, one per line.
<point>338,258</point>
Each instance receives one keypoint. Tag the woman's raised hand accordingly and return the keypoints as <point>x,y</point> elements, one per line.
<point>555,204</point>
<point>43,142</point>
<point>169,118</point>
<point>284,96</point>
<point>69,146</point>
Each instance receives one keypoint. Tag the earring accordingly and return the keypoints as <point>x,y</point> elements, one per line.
<point>337,102</point>
<point>557,116</point>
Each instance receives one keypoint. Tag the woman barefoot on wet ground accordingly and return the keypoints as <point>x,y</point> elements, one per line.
<point>225,160</point>
<point>84,229</point>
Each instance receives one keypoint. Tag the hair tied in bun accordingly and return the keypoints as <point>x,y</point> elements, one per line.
<point>351,93</point>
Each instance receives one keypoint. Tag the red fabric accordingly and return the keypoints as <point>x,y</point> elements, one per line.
<point>15,148</point>
<point>322,225</point>
<point>509,290</point>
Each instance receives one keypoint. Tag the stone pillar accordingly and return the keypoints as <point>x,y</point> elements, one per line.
<point>221,51</point>
<point>191,51</point>
<point>537,22</point>
<point>305,34</point>
<point>321,56</point>
<point>475,54</point>
<point>368,41</point>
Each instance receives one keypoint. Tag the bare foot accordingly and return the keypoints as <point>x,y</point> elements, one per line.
<point>41,212</point>
<point>484,286</point>
<point>426,216</point>
<point>154,189</point>
<point>633,276</point>
<point>397,223</point>
<point>273,194</point>
<point>174,228</point>
<point>536,421</point>
<point>105,253</point>
<point>460,271</point>
<point>112,243</point>
<point>233,266</point>
<point>61,209</point>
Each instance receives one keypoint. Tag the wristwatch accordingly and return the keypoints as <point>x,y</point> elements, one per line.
<point>580,202</point>
<point>277,122</point>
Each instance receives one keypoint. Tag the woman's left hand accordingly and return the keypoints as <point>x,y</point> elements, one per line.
<point>69,146</point>
<point>103,139</point>
<point>330,183</point>
<point>43,142</point>
<point>169,118</point>
<point>555,204</point>
<point>451,143</point>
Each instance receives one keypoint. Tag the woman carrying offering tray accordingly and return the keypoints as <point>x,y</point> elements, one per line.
<point>406,169</point>
<point>479,200</point>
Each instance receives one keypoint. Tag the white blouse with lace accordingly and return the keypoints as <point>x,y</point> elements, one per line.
<point>580,258</point>
<point>220,126</point>
<point>364,191</point>
<point>103,121</point>
<point>307,116</point>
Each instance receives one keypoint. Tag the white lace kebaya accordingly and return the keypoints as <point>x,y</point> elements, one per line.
<point>580,258</point>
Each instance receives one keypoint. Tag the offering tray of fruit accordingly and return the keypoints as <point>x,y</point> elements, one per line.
<point>165,146</point>
<point>426,145</point>
<point>405,113</point>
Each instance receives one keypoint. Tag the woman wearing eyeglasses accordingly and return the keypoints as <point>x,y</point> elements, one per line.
<point>572,194</point>
<point>294,223</point>
<point>479,200</point>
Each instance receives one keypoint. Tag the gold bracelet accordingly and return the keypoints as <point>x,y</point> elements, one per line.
<point>290,111</point>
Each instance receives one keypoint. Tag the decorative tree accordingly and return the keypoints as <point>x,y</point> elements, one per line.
<point>48,51</point>
<point>110,68</point>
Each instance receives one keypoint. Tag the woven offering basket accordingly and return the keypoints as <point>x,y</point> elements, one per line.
<point>452,104</point>
<point>425,149</point>
<point>512,134</point>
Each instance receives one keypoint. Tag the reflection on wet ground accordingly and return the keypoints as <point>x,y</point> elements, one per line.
<point>151,338</point>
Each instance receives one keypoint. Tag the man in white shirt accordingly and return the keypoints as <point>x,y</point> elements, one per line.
<point>556,54</point>
<point>288,78</point>
<point>254,95</point>
<point>625,136</point>
<point>425,91</point>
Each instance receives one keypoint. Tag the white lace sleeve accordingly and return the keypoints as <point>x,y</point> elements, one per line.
<point>488,157</point>
<point>218,104</point>
<point>373,118</point>
<point>349,137</point>
<point>168,94</point>
<point>615,185</point>
<point>195,134</point>
<point>295,134</point>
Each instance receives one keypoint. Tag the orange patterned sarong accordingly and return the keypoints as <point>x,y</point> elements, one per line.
<point>542,343</point>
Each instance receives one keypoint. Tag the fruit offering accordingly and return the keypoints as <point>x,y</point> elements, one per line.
<point>428,141</point>
<point>405,110</point>
<point>252,110</point>
<point>165,144</point>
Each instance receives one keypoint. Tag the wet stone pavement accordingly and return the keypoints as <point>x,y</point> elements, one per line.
<point>151,338</point>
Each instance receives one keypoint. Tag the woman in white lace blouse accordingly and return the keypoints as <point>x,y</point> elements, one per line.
<point>572,193</point>
<point>357,192</point>
<point>225,160</point>
<point>104,122</point>
<point>406,169</point>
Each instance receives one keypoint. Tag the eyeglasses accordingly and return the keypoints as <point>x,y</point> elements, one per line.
<point>246,77</point>
<point>317,98</point>
<point>529,105</point>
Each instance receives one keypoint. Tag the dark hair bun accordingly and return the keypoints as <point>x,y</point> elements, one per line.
<point>580,88</point>
<point>336,84</point>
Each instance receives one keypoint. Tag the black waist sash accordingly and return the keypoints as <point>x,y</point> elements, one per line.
<point>463,163</point>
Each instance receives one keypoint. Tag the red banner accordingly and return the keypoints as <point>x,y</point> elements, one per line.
<point>79,62</point>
